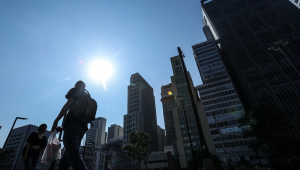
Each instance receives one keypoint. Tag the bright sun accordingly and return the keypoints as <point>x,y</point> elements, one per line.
<point>101,71</point>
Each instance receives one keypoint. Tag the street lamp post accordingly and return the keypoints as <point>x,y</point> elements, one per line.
<point>12,129</point>
<point>278,47</point>
<point>188,130</point>
<point>207,162</point>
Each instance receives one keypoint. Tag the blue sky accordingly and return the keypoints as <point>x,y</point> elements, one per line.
<point>42,43</point>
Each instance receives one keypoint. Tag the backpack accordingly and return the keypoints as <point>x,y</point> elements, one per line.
<point>85,108</point>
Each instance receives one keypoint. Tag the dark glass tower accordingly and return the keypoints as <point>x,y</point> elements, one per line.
<point>260,47</point>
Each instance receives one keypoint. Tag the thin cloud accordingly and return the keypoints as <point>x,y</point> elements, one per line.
<point>66,79</point>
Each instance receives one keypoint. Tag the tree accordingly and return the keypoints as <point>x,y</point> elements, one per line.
<point>6,160</point>
<point>264,129</point>
<point>136,147</point>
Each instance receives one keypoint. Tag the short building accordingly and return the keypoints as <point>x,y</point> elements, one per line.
<point>167,160</point>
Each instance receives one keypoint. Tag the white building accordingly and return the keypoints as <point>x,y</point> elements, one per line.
<point>17,141</point>
<point>99,159</point>
<point>96,133</point>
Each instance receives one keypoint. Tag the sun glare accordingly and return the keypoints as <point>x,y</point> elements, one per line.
<point>101,71</point>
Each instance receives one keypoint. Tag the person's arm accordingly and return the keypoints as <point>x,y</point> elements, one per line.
<point>63,111</point>
<point>26,151</point>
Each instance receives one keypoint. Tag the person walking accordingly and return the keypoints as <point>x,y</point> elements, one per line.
<point>74,130</point>
<point>36,144</point>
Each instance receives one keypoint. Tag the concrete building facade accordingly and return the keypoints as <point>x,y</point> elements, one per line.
<point>96,133</point>
<point>114,131</point>
<point>168,102</point>
<point>161,138</point>
<point>180,88</point>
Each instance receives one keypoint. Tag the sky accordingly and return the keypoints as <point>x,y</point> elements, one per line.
<point>47,46</point>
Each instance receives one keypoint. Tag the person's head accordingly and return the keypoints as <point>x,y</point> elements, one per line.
<point>80,84</point>
<point>42,128</point>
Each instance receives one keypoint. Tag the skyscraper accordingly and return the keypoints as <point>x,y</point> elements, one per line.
<point>260,47</point>
<point>114,131</point>
<point>167,100</point>
<point>96,133</point>
<point>180,88</point>
<point>17,141</point>
<point>161,138</point>
<point>296,2</point>
<point>141,113</point>
<point>222,106</point>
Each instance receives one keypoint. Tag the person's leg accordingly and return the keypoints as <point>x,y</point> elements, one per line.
<point>63,163</point>
<point>28,162</point>
<point>72,138</point>
<point>35,158</point>
<point>52,166</point>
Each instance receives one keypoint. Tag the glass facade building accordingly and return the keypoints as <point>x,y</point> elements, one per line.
<point>250,33</point>
<point>222,107</point>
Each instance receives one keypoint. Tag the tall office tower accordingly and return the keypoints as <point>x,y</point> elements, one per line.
<point>114,131</point>
<point>160,147</point>
<point>141,113</point>
<point>17,141</point>
<point>296,2</point>
<point>167,100</point>
<point>180,88</point>
<point>260,47</point>
<point>222,106</point>
<point>161,137</point>
<point>96,133</point>
<point>105,141</point>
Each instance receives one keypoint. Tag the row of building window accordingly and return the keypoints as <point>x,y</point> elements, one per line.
<point>230,144</point>
<point>221,124</point>
<point>214,70</point>
<point>213,75</point>
<point>204,87</point>
<point>209,58</point>
<point>228,137</point>
<point>210,62</point>
<point>217,95</point>
<point>205,52</point>
<point>222,105</point>
<point>202,47</point>
<point>223,99</point>
<point>231,115</point>
<point>227,110</point>
<point>214,90</point>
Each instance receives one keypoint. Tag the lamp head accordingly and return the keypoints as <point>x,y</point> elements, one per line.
<point>22,118</point>
<point>271,48</point>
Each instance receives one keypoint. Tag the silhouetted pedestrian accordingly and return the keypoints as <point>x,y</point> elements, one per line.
<point>36,144</point>
<point>74,130</point>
